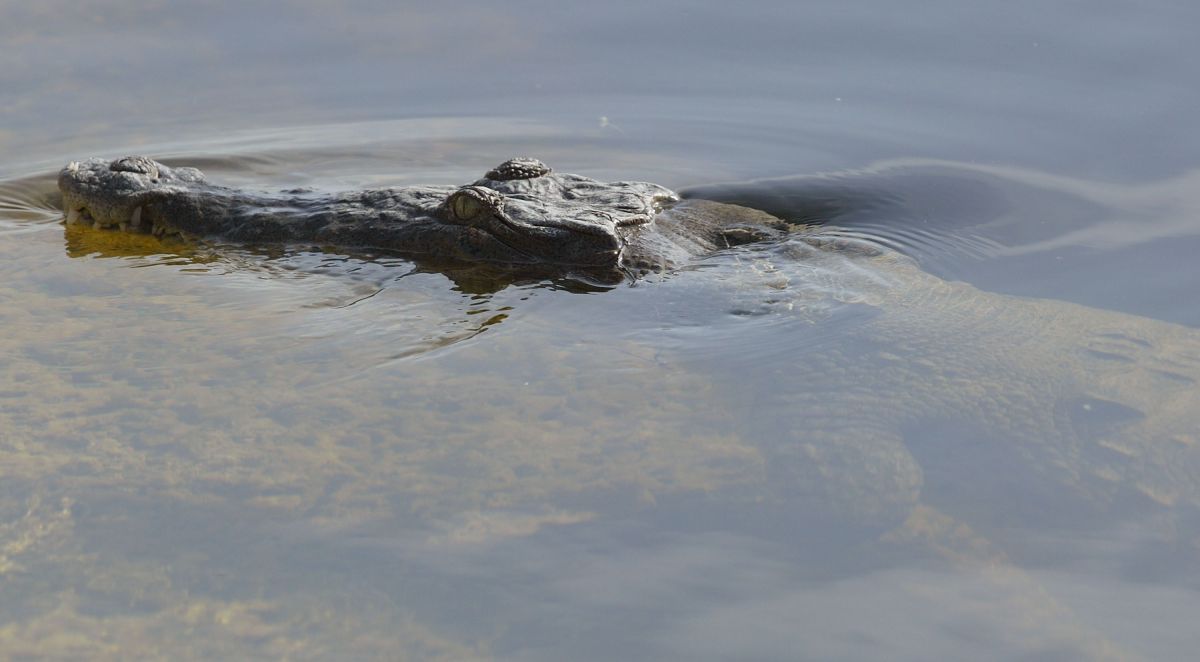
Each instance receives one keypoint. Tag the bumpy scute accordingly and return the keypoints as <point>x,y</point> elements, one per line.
<point>518,168</point>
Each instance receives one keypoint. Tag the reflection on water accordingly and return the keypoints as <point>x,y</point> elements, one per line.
<point>144,249</point>
<point>901,437</point>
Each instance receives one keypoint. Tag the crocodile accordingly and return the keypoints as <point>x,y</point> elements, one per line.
<point>519,213</point>
<point>1083,403</point>
<point>940,396</point>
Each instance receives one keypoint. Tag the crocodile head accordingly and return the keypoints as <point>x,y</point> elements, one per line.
<point>115,194</point>
<point>519,212</point>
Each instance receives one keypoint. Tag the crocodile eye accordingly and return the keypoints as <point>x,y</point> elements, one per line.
<point>465,207</point>
<point>471,202</point>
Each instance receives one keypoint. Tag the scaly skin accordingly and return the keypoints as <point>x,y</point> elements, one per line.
<point>519,213</point>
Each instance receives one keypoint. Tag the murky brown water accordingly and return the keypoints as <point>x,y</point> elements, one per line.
<point>989,452</point>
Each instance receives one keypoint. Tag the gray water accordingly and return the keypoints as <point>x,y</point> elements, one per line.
<point>984,444</point>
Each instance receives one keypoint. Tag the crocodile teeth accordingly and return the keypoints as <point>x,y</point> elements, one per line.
<point>135,219</point>
<point>72,216</point>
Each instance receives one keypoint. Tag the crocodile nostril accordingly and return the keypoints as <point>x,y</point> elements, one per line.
<point>137,164</point>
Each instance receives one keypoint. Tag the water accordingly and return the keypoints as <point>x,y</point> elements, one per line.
<point>988,452</point>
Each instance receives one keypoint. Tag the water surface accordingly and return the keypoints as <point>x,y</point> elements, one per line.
<point>981,445</point>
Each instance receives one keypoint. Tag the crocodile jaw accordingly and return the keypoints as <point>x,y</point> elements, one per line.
<point>134,214</point>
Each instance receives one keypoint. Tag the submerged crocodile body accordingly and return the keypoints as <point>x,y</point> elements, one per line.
<point>1007,403</point>
<point>519,213</point>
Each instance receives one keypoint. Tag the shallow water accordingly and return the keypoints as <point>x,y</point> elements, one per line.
<point>988,449</point>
